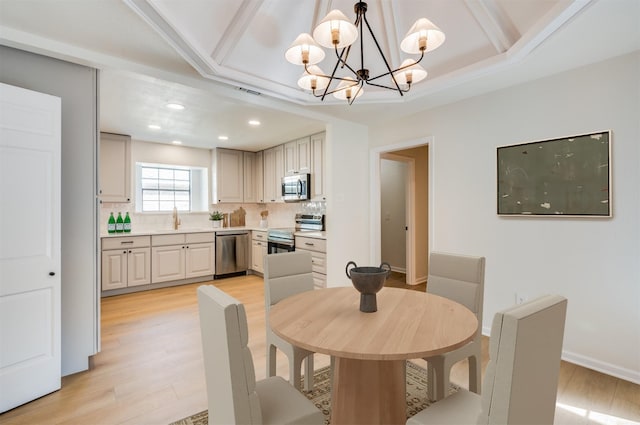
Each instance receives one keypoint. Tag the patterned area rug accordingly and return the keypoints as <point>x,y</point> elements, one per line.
<point>321,394</point>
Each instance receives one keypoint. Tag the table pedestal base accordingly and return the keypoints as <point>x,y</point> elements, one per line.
<point>368,392</point>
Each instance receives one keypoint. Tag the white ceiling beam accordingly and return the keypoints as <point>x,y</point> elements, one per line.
<point>495,23</point>
<point>235,29</point>
<point>198,60</point>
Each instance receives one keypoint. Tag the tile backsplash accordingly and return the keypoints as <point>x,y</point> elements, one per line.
<point>280,215</point>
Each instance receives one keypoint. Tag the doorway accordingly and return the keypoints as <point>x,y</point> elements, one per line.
<point>415,184</point>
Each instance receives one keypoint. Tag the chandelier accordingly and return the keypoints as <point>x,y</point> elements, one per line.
<point>336,32</point>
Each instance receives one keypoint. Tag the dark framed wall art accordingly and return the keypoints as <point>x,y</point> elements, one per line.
<point>569,177</point>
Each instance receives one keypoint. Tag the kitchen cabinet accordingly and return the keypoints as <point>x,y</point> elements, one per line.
<point>250,187</point>
<point>297,156</point>
<point>115,168</point>
<point>318,186</point>
<point>258,250</point>
<point>318,249</point>
<point>182,256</point>
<point>259,172</point>
<point>227,176</point>
<point>273,173</point>
<point>126,262</point>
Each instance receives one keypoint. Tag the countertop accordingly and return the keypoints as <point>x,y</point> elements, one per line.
<point>310,234</point>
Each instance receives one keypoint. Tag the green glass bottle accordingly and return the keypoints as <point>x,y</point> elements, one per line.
<point>127,223</point>
<point>111,224</point>
<point>119,224</point>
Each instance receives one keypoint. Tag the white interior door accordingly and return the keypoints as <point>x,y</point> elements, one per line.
<point>30,359</point>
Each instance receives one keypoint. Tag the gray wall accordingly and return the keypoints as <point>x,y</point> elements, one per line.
<point>594,262</point>
<point>77,87</point>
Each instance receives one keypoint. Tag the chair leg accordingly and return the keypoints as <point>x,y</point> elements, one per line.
<point>475,375</point>
<point>271,360</point>
<point>437,379</point>
<point>431,382</point>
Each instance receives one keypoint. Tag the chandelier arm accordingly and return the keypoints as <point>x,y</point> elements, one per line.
<point>344,61</point>
<point>397,69</point>
<point>353,98</point>
<point>330,77</point>
<point>382,55</point>
<point>401,91</point>
<point>335,90</point>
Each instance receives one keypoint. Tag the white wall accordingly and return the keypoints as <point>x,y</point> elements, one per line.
<point>347,221</point>
<point>77,86</point>
<point>595,263</point>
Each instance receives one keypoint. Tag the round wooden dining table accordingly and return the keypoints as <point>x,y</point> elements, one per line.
<point>370,349</point>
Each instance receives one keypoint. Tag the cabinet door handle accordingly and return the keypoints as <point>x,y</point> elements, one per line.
<point>124,252</point>
<point>123,242</point>
<point>52,273</point>
<point>309,244</point>
<point>129,251</point>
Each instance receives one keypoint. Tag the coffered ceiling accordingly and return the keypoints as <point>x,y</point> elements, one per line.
<point>224,59</point>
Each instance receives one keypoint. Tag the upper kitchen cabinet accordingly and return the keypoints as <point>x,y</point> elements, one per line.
<point>273,172</point>
<point>115,168</point>
<point>250,189</point>
<point>318,186</point>
<point>227,176</point>
<point>259,172</point>
<point>297,156</point>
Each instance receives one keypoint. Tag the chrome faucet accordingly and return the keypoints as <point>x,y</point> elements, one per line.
<point>176,219</point>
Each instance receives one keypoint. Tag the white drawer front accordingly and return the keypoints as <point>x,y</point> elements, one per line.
<point>125,242</point>
<point>311,244</point>
<point>259,235</point>
<point>204,237</point>
<point>159,240</point>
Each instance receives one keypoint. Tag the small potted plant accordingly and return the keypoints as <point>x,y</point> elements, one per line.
<point>216,218</point>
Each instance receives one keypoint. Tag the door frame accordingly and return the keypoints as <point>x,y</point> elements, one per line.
<point>375,202</point>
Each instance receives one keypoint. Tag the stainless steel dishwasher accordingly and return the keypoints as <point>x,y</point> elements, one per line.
<point>232,253</point>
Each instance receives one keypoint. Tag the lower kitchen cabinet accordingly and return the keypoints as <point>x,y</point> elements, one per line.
<point>181,256</point>
<point>318,249</point>
<point>258,250</point>
<point>199,260</point>
<point>168,263</point>
<point>126,262</point>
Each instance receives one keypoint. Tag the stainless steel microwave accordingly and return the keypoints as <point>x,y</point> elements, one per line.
<point>296,188</point>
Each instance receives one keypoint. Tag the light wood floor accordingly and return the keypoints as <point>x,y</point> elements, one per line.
<point>150,368</point>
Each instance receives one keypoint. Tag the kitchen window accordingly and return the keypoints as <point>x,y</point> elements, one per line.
<point>161,187</point>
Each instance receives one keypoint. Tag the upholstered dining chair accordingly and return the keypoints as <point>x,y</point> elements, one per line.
<point>459,278</point>
<point>287,274</point>
<point>521,381</point>
<point>234,395</point>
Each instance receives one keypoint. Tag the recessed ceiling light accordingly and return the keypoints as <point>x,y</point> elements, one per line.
<point>177,142</point>
<point>175,106</point>
<point>223,138</point>
<point>155,127</point>
<point>254,123</point>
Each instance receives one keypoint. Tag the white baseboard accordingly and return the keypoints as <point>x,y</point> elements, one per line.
<point>398,269</point>
<point>608,368</point>
<point>590,363</point>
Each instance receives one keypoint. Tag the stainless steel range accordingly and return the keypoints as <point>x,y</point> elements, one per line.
<point>283,240</point>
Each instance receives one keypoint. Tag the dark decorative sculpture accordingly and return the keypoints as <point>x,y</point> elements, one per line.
<point>368,281</point>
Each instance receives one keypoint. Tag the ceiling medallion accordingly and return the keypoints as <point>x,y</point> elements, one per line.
<point>337,33</point>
